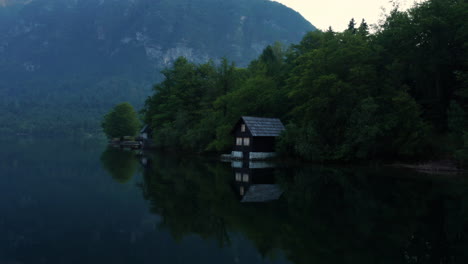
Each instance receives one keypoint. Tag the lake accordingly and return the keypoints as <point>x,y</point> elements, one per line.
<point>65,201</point>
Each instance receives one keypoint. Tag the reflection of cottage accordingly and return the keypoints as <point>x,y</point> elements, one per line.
<point>260,193</point>
<point>255,137</point>
<point>144,161</point>
<point>255,184</point>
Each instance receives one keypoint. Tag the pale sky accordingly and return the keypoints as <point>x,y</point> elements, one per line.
<point>337,13</point>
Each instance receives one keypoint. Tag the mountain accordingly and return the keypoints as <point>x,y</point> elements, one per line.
<point>4,3</point>
<point>65,62</point>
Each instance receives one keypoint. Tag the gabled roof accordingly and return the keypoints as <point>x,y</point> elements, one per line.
<point>144,129</point>
<point>263,127</point>
<point>259,193</point>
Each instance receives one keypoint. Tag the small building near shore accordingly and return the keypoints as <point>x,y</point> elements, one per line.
<point>146,137</point>
<point>145,132</point>
<point>255,137</point>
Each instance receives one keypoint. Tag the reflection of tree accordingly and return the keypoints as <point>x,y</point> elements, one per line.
<point>370,216</point>
<point>121,164</point>
<point>324,216</point>
<point>185,193</point>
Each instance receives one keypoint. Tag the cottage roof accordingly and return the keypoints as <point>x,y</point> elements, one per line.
<point>144,129</point>
<point>259,193</point>
<point>263,127</point>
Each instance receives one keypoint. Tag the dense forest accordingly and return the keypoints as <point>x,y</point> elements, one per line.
<point>397,93</point>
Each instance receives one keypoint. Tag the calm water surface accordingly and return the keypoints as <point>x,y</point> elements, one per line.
<point>80,202</point>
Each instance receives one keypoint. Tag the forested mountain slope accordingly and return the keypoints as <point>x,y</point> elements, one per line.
<point>398,93</point>
<point>64,62</point>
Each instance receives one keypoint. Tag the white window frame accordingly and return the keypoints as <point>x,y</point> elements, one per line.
<point>238,176</point>
<point>246,141</point>
<point>245,177</point>
<point>243,128</point>
<point>239,141</point>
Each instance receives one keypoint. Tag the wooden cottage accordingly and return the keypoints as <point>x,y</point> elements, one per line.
<point>254,137</point>
<point>146,137</point>
<point>145,132</point>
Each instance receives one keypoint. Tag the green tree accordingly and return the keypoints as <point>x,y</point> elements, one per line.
<point>190,106</point>
<point>343,106</point>
<point>457,119</point>
<point>352,26</point>
<point>363,28</point>
<point>121,121</point>
<point>428,42</point>
<point>462,153</point>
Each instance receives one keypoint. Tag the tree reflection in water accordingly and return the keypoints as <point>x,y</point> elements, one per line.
<point>324,215</point>
<point>120,163</point>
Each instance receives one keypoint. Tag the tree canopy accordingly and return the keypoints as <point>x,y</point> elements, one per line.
<point>121,121</point>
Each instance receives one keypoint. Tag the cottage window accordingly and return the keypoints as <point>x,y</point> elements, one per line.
<point>241,190</point>
<point>243,128</point>
<point>245,177</point>
<point>239,141</point>
<point>238,176</point>
<point>246,141</point>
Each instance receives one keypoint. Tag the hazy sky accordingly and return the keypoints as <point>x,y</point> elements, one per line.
<point>337,13</point>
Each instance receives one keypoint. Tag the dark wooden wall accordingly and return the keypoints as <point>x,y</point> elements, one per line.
<point>257,144</point>
<point>238,133</point>
<point>263,144</point>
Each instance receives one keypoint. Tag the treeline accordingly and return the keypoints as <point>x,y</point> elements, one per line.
<point>70,107</point>
<point>400,92</point>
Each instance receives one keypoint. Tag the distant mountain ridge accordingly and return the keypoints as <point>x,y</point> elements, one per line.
<point>4,3</point>
<point>55,52</point>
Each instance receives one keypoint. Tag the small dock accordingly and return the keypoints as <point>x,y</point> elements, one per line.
<point>126,144</point>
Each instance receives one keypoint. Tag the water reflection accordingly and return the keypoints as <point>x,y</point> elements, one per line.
<point>121,164</point>
<point>255,181</point>
<point>58,206</point>
<point>186,193</point>
<point>311,214</point>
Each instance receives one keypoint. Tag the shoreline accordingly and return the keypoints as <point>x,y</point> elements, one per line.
<point>433,167</point>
